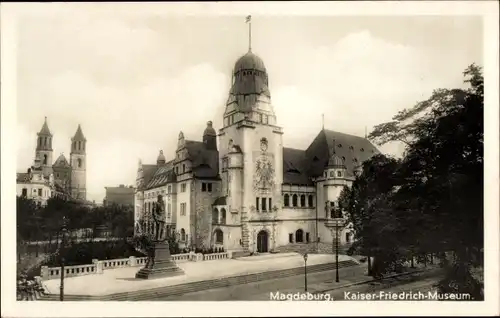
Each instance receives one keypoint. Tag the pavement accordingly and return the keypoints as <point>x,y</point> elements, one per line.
<point>123,279</point>
<point>353,279</point>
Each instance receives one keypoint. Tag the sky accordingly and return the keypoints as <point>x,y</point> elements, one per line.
<point>134,82</point>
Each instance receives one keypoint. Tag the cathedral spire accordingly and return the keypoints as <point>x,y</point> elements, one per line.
<point>249,21</point>
<point>45,131</point>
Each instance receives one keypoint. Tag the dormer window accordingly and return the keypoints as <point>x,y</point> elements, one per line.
<point>339,145</point>
<point>339,174</point>
<point>362,150</point>
<point>332,174</point>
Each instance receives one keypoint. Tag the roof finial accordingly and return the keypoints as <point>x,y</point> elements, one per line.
<point>323,121</point>
<point>334,152</point>
<point>249,21</point>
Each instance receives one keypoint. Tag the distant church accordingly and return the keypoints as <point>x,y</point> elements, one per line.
<point>250,193</point>
<point>47,178</point>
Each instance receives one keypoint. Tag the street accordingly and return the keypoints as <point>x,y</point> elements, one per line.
<point>316,281</point>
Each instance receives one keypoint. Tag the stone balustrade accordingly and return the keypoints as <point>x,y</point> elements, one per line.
<point>97,266</point>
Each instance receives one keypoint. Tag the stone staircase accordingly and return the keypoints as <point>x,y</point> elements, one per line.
<point>181,289</point>
<point>312,248</point>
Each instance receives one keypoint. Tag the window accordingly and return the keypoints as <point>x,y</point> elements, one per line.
<point>44,159</point>
<point>183,168</point>
<point>203,187</point>
<point>79,163</point>
<point>169,211</point>
<point>183,208</point>
<point>57,174</point>
<point>169,189</point>
<point>176,170</point>
<point>266,119</point>
<point>339,145</point>
<point>183,187</point>
<point>270,204</point>
<point>223,216</point>
<point>310,201</point>
<point>215,216</point>
<point>362,150</point>
<point>24,192</point>
<point>307,237</point>
<point>219,236</point>
<point>348,237</point>
<point>263,203</point>
<point>286,200</point>
<point>260,118</point>
<point>39,192</point>
<point>302,200</point>
<point>183,235</point>
<point>209,187</point>
<point>332,174</point>
<point>294,200</point>
<point>299,236</point>
<point>290,238</point>
<point>325,174</point>
<point>257,204</point>
<point>339,174</point>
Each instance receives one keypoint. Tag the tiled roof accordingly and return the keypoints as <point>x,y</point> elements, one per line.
<point>22,177</point>
<point>353,150</point>
<point>295,167</point>
<point>161,177</point>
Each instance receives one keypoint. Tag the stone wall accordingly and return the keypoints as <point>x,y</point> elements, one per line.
<point>201,213</point>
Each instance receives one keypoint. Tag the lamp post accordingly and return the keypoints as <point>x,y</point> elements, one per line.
<point>61,251</point>
<point>305,272</point>
<point>336,251</point>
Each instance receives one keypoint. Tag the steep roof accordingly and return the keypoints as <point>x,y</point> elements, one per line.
<point>205,162</point>
<point>353,150</point>
<point>79,134</point>
<point>295,167</point>
<point>147,172</point>
<point>164,174</point>
<point>45,131</point>
<point>61,161</point>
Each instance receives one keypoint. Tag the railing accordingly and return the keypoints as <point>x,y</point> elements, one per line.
<point>215,256</point>
<point>98,267</point>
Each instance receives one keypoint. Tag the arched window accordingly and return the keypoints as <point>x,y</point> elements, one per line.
<point>24,193</point>
<point>215,216</point>
<point>45,141</point>
<point>286,200</point>
<point>219,236</point>
<point>79,163</point>
<point>294,200</point>
<point>302,200</point>
<point>310,200</point>
<point>223,216</point>
<point>299,236</point>
<point>183,235</point>
<point>44,159</point>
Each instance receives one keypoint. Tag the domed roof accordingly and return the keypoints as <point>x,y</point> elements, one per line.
<point>336,162</point>
<point>209,131</point>
<point>249,61</point>
<point>161,158</point>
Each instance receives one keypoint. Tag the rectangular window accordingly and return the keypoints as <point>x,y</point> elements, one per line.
<point>39,192</point>
<point>169,189</point>
<point>209,187</point>
<point>290,238</point>
<point>260,118</point>
<point>203,187</point>
<point>183,208</point>
<point>270,204</point>
<point>307,237</point>
<point>169,211</point>
<point>183,187</point>
<point>263,201</point>
<point>257,203</point>
<point>266,119</point>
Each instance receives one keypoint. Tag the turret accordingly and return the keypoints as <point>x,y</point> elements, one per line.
<point>210,137</point>
<point>78,161</point>
<point>44,149</point>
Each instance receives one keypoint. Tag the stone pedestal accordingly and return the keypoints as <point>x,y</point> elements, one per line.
<point>163,265</point>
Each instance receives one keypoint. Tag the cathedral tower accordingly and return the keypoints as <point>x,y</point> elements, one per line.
<point>44,149</point>
<point>78,160</point>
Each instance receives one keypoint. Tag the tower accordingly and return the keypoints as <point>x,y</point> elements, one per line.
<point>44,149</point>
<point>251,148</point>
<point>78,161</point>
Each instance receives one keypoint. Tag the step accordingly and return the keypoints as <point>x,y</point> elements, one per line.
<point>181,289</point>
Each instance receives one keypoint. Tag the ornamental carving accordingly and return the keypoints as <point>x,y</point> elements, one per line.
<point>264,174</point>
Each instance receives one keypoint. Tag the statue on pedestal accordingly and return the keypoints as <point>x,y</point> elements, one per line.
<point>159,219</point>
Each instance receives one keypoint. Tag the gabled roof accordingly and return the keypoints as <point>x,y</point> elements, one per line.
<point>353,150</point>
<point>61,161</point>
<point>164,174</point>
<point>295,167</point>
<point>147,172</point>
<point>205,162</point>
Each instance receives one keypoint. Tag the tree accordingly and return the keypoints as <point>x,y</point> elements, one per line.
<point>435,201</point>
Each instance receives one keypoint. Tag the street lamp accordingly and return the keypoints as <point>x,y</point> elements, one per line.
<point>336,251</point>
<point>61,251</point>
<point>305,272</point>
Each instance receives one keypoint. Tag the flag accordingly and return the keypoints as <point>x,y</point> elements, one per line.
<point>248,19</point>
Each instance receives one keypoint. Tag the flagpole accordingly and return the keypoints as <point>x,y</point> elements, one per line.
<point>250,34</point>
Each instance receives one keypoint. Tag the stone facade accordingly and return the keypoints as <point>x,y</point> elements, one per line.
<point>241,189</point>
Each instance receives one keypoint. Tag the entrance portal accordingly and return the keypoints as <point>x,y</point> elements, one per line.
<point>262,242</point>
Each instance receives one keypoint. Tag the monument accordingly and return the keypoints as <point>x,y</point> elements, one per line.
<point>159,263</point>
